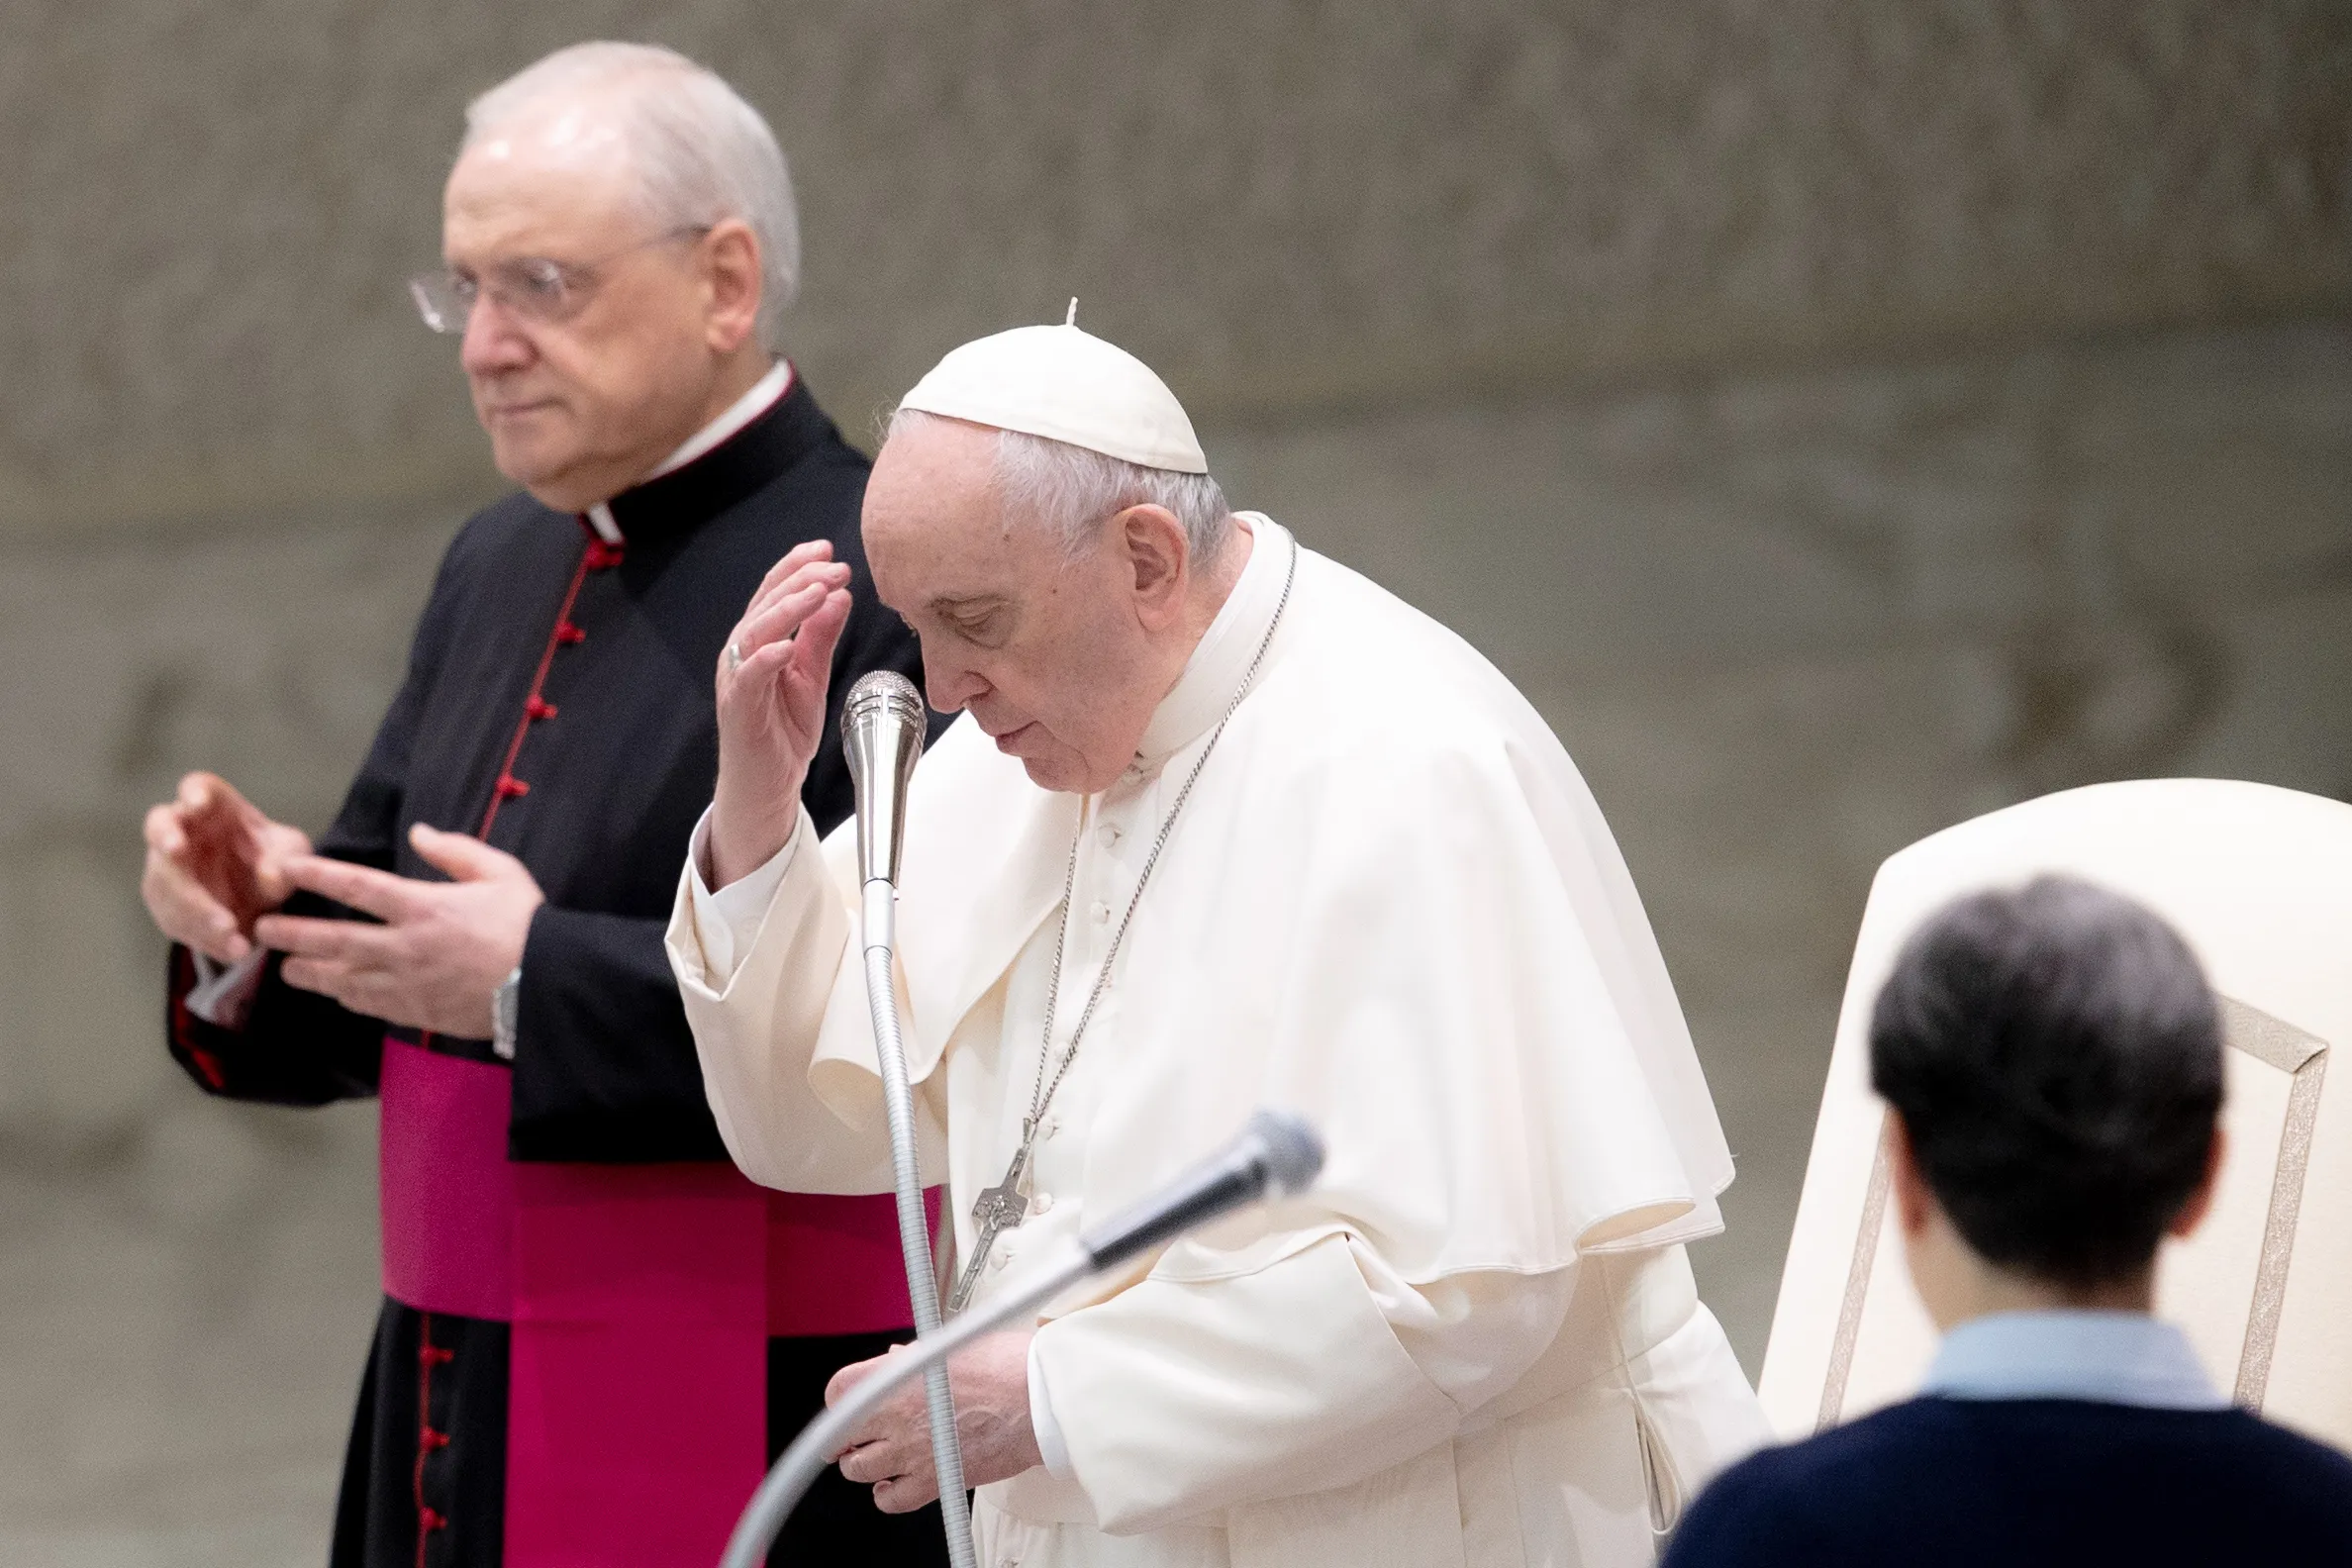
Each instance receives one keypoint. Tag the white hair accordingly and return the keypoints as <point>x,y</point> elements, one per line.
<point>1073,491</point>
<point>702,154</point>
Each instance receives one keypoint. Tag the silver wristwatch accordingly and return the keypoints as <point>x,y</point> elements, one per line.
<point>506,1005</point>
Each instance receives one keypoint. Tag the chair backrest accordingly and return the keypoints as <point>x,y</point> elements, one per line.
<point>2259,881</point>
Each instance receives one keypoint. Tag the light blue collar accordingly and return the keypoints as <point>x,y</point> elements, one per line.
<point>2112,1357</point>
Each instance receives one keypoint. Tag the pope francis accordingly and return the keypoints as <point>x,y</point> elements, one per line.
<point>1223,825</point>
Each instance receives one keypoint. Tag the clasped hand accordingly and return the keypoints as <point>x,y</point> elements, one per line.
<point>218,870</point>
<point>891,1451</point>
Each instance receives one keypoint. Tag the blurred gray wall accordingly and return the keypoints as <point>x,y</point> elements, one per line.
<point>1841,418</point>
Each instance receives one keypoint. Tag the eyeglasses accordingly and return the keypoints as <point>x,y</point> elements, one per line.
<point>533,289</point>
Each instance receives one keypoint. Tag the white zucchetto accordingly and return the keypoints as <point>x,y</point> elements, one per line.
<point>1066,386</point>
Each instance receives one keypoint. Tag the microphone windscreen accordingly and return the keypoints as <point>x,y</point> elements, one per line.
<point>877,692</point>
<point>1294,1154</point>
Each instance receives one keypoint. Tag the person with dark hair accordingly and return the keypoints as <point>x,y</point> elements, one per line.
<point>2051,1061</point>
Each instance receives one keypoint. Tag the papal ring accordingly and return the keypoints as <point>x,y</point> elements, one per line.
<point>734,658</point>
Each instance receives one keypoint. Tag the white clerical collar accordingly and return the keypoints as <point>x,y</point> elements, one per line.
<point>1210,676</point>
<point>765,393</point>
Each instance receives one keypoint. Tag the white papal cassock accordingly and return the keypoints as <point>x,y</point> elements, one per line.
<point>1391,904</point>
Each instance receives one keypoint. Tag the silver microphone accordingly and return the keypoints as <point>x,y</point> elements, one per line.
<point>882,726</point>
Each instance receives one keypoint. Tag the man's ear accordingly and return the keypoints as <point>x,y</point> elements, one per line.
<point>1158,557</point>
<point>1914,1203</point>
<point>2201,1202</point>
<point>733,280</point>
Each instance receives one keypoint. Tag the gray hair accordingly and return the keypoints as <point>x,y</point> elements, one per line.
<point>1072,491</point>
<point>703,154</point>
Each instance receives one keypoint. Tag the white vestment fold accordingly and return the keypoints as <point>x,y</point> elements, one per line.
<point>1392,905</point>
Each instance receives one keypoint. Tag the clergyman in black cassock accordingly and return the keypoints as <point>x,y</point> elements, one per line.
<point>557,703</point>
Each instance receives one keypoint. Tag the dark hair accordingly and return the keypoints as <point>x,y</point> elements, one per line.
<point>2056,1057</point>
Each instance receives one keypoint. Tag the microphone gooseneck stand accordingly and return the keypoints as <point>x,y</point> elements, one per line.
<point>882,727</point>
<point>1275,1154</point>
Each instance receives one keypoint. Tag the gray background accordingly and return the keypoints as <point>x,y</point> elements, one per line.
<point>1841,418</point>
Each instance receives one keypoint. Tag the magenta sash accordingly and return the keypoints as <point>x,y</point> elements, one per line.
<point>641,1298</point>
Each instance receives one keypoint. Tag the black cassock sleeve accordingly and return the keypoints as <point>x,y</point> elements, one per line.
<point>298,1047</point>
<point>605,1068</point>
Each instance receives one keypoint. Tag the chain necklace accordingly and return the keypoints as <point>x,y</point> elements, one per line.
<point>1002,1207</point>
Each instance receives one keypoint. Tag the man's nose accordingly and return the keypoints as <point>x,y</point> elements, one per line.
<point>492,342</point>
<point>947,686</point>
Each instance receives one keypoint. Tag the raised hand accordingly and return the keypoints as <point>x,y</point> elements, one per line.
<point>772,679</point>
<point>214,866</point>
<point>442,950</point>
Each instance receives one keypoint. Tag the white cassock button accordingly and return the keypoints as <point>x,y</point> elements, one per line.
<point>1003,1256</point>
<point>1107,837</point>
<point>1100,914</point>
<point>1044,1205</point>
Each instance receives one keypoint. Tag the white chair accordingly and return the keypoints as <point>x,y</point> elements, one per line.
<point>2259,881</point>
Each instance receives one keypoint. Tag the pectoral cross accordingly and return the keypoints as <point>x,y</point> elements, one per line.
<point>997,1210</point>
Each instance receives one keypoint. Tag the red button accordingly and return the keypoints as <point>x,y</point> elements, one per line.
<point>430,1520</point>
<point>540,708</point>
<point>565,631</point>
<point>602,554</point>
<point>433,1439</point>
<point>510,787</point>
<point>434,1356</point>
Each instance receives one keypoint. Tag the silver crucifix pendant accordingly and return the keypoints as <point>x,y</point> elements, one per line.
<point>999,1209</point>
